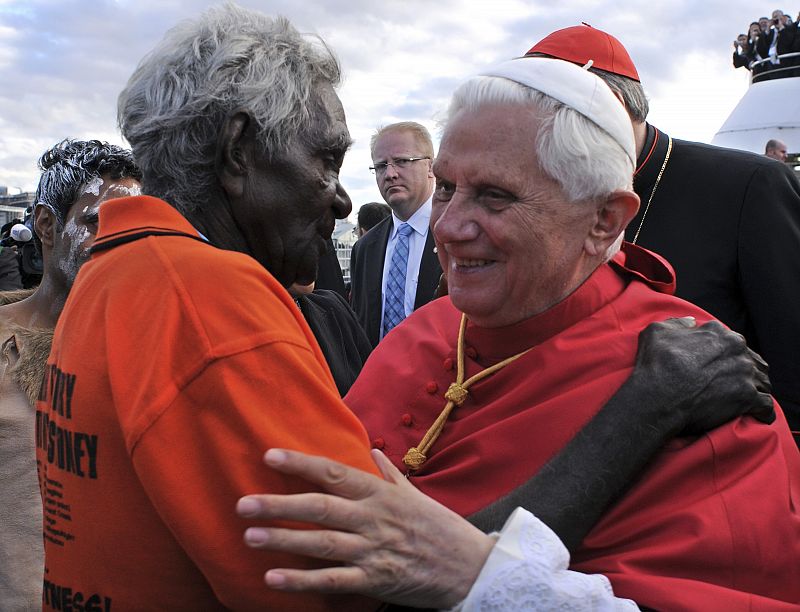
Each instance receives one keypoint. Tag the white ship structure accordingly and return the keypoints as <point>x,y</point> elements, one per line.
<point>769,109</point>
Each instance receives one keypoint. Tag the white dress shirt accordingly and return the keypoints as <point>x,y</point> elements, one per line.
<point>420,222</point>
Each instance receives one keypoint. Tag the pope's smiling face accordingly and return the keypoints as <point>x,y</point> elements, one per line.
<point>508,241</point>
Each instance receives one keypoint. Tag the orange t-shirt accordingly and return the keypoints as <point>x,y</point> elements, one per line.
<point>175,365</point>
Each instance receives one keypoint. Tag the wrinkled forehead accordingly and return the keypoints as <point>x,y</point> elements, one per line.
<point>328,125</point>
<point>500,131</point>
<point>404,140</point>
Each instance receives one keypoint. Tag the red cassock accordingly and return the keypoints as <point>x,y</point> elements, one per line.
<point>712,524</point>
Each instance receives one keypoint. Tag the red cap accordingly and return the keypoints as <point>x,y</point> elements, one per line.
<point>582,44</point>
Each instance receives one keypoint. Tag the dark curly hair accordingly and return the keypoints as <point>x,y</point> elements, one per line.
<point>71,164</point>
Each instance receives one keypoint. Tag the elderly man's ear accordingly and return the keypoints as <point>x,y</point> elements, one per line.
<point>612,217</point>
<point>235,152</point>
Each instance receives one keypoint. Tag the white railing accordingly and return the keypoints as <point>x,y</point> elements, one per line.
<point>776,71</point>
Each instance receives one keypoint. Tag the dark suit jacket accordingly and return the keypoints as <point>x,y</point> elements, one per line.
<point>729,223</point>
<point>329,272</point>
<point>338,334</point>
<point>366,275</point>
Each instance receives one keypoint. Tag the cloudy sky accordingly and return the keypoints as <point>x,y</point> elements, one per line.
<point>62,62</point>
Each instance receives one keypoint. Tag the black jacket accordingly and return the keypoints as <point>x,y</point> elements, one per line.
<point>729,223</point>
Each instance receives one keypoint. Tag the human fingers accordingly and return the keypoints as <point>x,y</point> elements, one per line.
<point>389,472</point>
<point>662,337</point>
<point>319,508</point>
<point>761,377</point>
<point>763,408</point>
<point>759,361</point>
<point>681,322</point>
<point>328,580</point>
<point>330,475</point>
<point>320,544</point>
<point>659,328</point>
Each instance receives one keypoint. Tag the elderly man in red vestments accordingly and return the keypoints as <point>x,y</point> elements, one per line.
<point>533,190</point>
<point>533,187</point>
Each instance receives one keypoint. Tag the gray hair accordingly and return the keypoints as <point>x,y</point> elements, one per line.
<point>179,96</point>
<point>585,161</point>
<point>631,92</point>
<point>420,132</point>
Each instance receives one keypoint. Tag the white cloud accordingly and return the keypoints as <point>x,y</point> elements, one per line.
<point>62,62</point>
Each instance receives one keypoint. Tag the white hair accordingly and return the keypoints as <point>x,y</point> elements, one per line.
<point>229,58</point>
<point>585,161</point>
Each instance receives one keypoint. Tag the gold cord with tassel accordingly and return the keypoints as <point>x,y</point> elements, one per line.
<point>455,396</point>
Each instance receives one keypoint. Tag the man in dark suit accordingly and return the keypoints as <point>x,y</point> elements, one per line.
<point>728,221</point>
<point>394,268</point>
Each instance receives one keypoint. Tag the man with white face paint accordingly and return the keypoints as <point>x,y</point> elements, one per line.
<point>77,177</point>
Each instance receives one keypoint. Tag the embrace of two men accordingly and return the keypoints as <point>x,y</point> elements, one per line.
<point>523,387</point>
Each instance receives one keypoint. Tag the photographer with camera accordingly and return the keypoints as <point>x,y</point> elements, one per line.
<point>10,277</point>
<point>742,52</point>
<point>21,260</point>
<point>776,37</point>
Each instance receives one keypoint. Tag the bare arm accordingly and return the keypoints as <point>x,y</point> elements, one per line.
<point>687,380</point>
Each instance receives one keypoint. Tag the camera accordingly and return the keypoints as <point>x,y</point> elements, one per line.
<point>18,235</point>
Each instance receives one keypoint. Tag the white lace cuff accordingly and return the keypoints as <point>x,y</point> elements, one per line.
<point>527,570</point>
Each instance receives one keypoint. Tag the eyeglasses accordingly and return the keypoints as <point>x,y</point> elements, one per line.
<point>399,162</point>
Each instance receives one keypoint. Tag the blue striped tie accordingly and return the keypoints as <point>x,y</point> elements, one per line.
<point>394,306</point>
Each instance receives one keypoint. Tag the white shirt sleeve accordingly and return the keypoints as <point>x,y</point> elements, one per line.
<point>527,570</point>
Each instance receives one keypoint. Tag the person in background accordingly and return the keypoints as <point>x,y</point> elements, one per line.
<point>776,149</point>
<point>10,277</point>
<point>394,269</point>
<point>77,177</point>
<point>754,36</point>
<point>337,331</point>
<point>727,221</point>
<point>742,53</point>
<point>370,214</point>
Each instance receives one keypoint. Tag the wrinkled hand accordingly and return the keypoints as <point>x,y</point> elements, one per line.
<point>397,544</point>
<point>705,376</point>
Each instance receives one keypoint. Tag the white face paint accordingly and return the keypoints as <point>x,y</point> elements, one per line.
<point>125,190</point>
<point>71,248</point>
<point>92,186</point>
<point>75,235</point>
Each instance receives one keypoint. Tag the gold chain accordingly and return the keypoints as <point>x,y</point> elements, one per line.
<point>455,396</point>
<point>652,193</point>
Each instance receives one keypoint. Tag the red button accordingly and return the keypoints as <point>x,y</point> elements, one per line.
<point>407,419</point>
<point>471,352</point>
<point>448,363</point>
<point>432,387</point>
<point>378,443</point>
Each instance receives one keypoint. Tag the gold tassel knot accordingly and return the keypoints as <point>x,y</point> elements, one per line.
<point>456,393</point>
